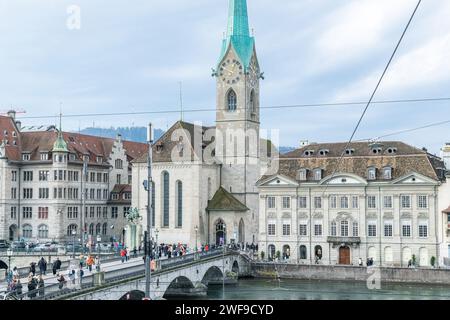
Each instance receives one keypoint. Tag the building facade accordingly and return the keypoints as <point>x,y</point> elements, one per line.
<point>42,183</point>
<point>378,201</point>
<point>205,177</point>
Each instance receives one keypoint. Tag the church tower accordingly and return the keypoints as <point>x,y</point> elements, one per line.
<point>238,113</point>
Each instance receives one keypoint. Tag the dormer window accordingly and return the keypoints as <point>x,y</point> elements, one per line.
<point>127,196</point>
<point>324,152</point>
<point>302,174</point>
<point>372,173</point>
<point>26,157</point>
<point>309,153</point>
<point>392,150</point>
<point>317,174</point>
<point>44,156</point>
<point>159,147</point>
<point>5,133</point>
<point>72,157</point>
<point>99,159</point>
<point>114,196</point>
<point>86,158</point>
<point>14,134</point>
<point>387,173</point>
<point>349,152</point>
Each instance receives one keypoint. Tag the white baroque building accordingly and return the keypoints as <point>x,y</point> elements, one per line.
<point>41,183</point>
<point>380,201</point>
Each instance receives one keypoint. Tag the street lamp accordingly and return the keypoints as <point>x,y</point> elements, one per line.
<point>74,232</point>
<point>196,248</point>
<point>99,239</point>
<point>9,253</point>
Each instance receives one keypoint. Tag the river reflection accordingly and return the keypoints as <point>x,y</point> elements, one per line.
<point>263,289</point>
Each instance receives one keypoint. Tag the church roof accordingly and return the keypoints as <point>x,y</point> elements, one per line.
<point>225,201</point>
<point>238,34</point>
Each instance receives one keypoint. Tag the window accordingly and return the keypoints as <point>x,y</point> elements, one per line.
<point>99,160</point>
<point>126,211</point>
<point>333,202</point>
<point>26,157</point>
<point>303,230</point>
<point>114,212</point>
<point>119,179</point>
<point>355,202</point>
<point>92,177</point>
<point>92,194</point>
<point>179,204</point>
<point>105,212</point>
<point>72,212</point>
<point>302,202</point>
<point>91,229</point>
<point>303,253</point>
<point>372,229</point>
<point>271,229</point>
<point>344,202</point>
<point>318,229</point>
<point>286,229</point>
<point>43,231</point>
<point>98,228</point>
<point>27,212</point>
<point>333,230</point>
<point>14,175</point>
<point>231,101</point>
<point>387,173</point>
<point>388,229</point>
<point>13,193</point>
<point>317,174</point>
<point>344,228</point>
<point>119,164</point>
<point>44,156</point>
<point>43,212</point>
<point>406,229</point>
<point>387,202</point>
<point>271,202</point>
<point>105,178</point>
<point>302,174</point>
<point>252,102</point>
<point>127,196</point>
<point>71,229</point>
<point>355,229</point>
<point>104,228</point>
<point>28,193</point>
<point>27,231</point>
<point>165,202</point>
<point>43,175</point>
<point>317,202</point>
<point>423,230</point>
<point>286,202</point>
<point>14,213</point>
<point>99,212</point>
<point>422,201</point>
<point>371,202</point>
<point>406,202</point>
<point>372,174</point>
<point>92,212</point>
<point>28,176</point>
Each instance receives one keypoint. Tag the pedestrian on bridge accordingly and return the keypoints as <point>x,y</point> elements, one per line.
<point>42,264</point>
<point>41,286</point>
<point>18,288</point>
<point>33,268</point>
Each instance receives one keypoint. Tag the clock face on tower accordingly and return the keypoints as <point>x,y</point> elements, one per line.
<point>231,71</point>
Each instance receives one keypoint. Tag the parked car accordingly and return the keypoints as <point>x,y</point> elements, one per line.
<point>18,245</point>
<point>4,244</point>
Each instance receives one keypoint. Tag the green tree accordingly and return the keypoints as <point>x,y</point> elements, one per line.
<point>278,255</point>
<point>413,259</point>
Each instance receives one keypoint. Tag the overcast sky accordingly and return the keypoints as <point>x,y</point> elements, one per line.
<point>130,56</point>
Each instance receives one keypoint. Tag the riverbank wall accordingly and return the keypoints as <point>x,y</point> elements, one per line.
<point>350,273</point>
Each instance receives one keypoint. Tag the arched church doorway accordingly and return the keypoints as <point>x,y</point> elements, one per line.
<point>220,232</point>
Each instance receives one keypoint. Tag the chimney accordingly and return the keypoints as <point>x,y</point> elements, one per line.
<point>12,114</point>
<point>304,143</point>
<point>19,125</point>
<point>424,149</point>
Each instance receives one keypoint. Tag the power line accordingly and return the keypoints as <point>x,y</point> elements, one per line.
<point>373,93</point>
<point>295,106</point>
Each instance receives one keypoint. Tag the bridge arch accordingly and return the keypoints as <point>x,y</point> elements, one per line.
<point>177,285</point>
<point>133,295</point>
<point>213,274</point>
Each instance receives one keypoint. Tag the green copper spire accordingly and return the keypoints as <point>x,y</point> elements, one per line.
<point>238,34</point>
<point>60,145</point>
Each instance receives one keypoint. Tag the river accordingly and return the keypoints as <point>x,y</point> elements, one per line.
<point>287,289</point>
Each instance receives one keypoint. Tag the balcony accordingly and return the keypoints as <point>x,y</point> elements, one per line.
<point>344,241</point>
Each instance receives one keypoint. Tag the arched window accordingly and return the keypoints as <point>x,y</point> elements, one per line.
<point>43,231</point>
<point>221,232</point>
<point>318,252</point>
<point>91,229</point>
<point>232,100</point>
<point>27,231</point>
<point>344,228</point>
<point>98,228</point>
<point>119,164</point>
<point>72,227</point>
<point>104,228</point>
<point>252,102</point>
<point>241,238</point>
<point>286,252</point>
<point>165,196</point>
<point>271,252</point>
<point>303,253</point>
<point>179,204</point>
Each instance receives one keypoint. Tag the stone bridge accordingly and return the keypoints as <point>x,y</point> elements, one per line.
<point>188,276</point>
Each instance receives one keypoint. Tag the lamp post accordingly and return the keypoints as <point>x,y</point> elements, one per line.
<point>9,253</point>
<point>99,239</point>
<point>148,270</point>
<point>196,248</point>
<point>74,232</point>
